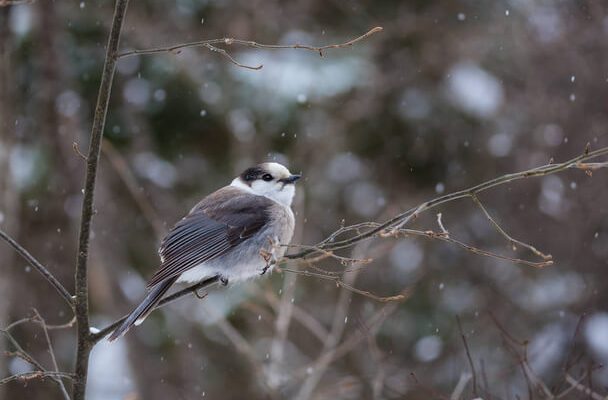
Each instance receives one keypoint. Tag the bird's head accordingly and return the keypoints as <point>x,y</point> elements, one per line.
<point>271,180</point>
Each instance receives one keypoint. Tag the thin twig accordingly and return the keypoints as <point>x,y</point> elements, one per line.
<point>538,383</point>
<point>404,218</point>
<point>7,3</point>
<point>42,323</point>
<point>63,292</point>
<point>281,328</point>
<point>513,241</point>
<point>231,59</point>
<point>26,376</point>
<point>532,380</point>
<point>440,223</point>
<point>443,237</point>
<point>570,360</point>
<point>81,275</point>
<point>352,341</point>
<point>97,336</point>
<point>469,358</point>
<point>211,43</point>
<point>506,334</point>
<point>340,283</point>
<point>333,339</point>
<point>76,150</point>
<point>576,384</point>
<point>68,324</point>
<point>121,167</point>
<point>18,322</point>
<point>243,347</point>
<point>378,381</point>
<point>302,316</point>
<point>24,355</point>
<point>464,379</point>
<point>323,254</point>
<point>20,352</point>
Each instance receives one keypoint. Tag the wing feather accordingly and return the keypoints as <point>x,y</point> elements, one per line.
<point>220,222</point>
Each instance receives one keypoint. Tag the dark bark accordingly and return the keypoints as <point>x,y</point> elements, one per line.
<point>81,281</point>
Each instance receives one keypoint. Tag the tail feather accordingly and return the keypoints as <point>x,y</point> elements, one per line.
<point>138,315</point>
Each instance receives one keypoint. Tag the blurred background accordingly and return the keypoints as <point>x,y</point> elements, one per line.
<point>450,94</point>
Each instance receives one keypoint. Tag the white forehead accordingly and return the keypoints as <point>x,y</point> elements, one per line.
<point>276,169</point>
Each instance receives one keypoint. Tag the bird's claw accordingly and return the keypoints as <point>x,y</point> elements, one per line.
<point>224,281</point>
<point>269,258</point>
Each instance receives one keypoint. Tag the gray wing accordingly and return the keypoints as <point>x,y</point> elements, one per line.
<point>220,222</point>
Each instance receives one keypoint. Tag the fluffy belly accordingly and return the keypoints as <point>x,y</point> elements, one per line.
<point>233,273</point>
<point>245,261</point>
<point>238,265</point>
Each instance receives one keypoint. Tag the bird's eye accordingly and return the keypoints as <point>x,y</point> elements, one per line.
<point>267,177</point>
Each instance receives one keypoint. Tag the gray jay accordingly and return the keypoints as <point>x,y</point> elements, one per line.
<point>229,235</point>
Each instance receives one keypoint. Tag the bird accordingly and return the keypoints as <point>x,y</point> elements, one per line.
<point>233,234</point>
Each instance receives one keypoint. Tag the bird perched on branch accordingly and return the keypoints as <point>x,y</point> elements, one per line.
<point>233,234</point>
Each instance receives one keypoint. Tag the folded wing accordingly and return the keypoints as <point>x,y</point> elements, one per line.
<point>220,222</point>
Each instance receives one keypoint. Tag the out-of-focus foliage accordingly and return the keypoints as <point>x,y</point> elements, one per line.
<point>448,95</point>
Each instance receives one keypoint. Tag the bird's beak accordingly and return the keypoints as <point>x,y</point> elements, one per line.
<point>291,179</point>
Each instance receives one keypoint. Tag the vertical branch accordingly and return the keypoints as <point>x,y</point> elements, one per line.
<point>81,282</point>
<point>333,339</point>
<point>282,322</point>
<point>469,358</point>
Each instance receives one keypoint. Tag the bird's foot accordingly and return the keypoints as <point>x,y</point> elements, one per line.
<point>224,281</point>
<point>269,258</point>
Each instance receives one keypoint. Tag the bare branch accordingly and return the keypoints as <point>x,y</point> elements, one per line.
<point>76,150</point>
<point>212,43</point>
<point>513,241</point>
<point>39,267</point>
<point>97,336</point>
<point>231,59</point>
<point>398,221</point>
<point>464,379</point>
<point>340,283</point>
<point>7,3</point>
<point>352,341</point>
<point>27,357</point>
<point>26,376</point>
<point>68,324</point>
<point>378,382</point>
<point>81,275</point>
<point>469,358</point>
<point>18,322</point>
<point>243,347</point>
<point>323,254</point>
<point>532,380</point>
<point>332,340</point>
<point>472,249</point>
<point>42,323</point>
<point>284,313</point>
<point>440,223</point>
<point>302,316</point>
<point>20,352</point>
<point>576,384</point>
<point>121,167</point>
